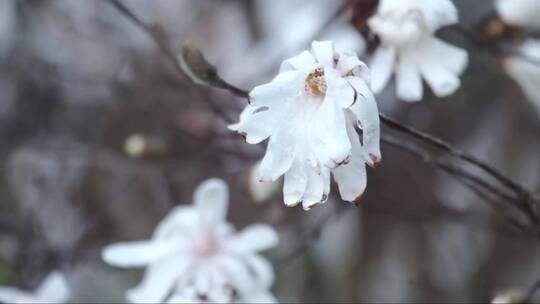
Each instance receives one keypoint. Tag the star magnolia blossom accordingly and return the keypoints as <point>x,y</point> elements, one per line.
<point>53,289</point>
<point>526,72</point>
<point>190,295</point>
<point>408,46</point>
<point>194,252</point>
<point>310,112</point>
<point>522,13</point>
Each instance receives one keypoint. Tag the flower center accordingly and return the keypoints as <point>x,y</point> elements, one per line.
<point>205,246</point>
<point>315,83</point>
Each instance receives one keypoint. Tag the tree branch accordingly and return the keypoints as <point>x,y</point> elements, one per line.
<point>526,201</point>
<point>445,146</point>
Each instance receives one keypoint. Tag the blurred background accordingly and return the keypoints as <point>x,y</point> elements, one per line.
<point>100,137</point>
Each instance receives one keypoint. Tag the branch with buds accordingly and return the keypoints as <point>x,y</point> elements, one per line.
<point>193,64</point>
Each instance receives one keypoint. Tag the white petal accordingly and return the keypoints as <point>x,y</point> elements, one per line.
<point>347,62</point>
<point>257,124</point>
<point>367,113</point>
<point>180,221</point>
<point>301,62</point>
<point>382,66</point>
<point>525,72</point>
<point>14,295</point>
<point>453,58</point>
<point>281,148</point>
<point>202,282</point>
<point>261,192</point>
<point>262,269</point>
<point>522,13</point>
<point>315,191</point>
<point>136,254</point>
<point>180,298</point>
<point>212,200</point>
<point>54,288</point>
<point>440,13</point>
<point>340,91</point>
<point>442,81</point>
<point>254,238</point>
<point>323,52</point>
<point>294,183</point>
<point>262,296</point>
<point>280,90</point>
<point>408,80</point>
<point>351,177</point>
<point>328,124</point>
<point>396,33</point>
<point>158,281</point>
<point>237,273</point>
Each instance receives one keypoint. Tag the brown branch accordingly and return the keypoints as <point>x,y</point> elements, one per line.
<point>475,183</point>
<point>445,166</point>
<point>445,146</point>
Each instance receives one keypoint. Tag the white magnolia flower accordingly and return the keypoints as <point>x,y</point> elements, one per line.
<point>195,248</point>
<point>524,66</point>
<point>522,13</point>
<point>409,48</point>
<point>53,289</point>
<point>310,111</point>
<point>190,295</point>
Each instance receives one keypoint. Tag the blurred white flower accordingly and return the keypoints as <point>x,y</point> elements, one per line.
<point>190,295</point>
<point>195,248</point>
<point>509,297</point>
<point>522,13</point>
<point>53,289</point>
<point>310,111</point>
<point>409,48</point>
<point>524,66</point>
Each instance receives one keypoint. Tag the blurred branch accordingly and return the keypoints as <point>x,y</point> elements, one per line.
<point>159,38</point>
<point>153,32</point>
<point>530,294</point>
<point>476,184</point>
<point>308,237</point>
<point>445,166</point>
<point>448,148</point>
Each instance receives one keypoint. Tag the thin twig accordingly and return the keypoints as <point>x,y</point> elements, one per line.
<point>530,294</point>
<point>310,236</point>
<point>170,55</point>
<point>476,184</point>
<point>452,169</point>
<point>151,32</point>
<point>445,146</point>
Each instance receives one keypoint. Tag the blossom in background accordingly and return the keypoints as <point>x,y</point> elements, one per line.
<point>310,112</point>
<point>524,66</point>
<point>521,13</point>
<point>409,48</point>
<point>53,289</point>
<point>190,295</point>
<point>196,254</point>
